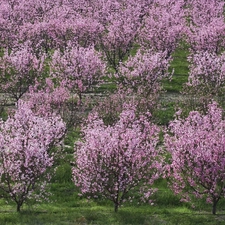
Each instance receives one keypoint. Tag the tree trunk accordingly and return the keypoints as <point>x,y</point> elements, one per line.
<point>116,205</point>
<point>214,206</point>
<point>18,207</point>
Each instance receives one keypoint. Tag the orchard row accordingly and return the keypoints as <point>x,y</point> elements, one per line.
<point>53,53</point>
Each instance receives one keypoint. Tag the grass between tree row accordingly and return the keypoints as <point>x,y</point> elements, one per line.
<point>67,208</point>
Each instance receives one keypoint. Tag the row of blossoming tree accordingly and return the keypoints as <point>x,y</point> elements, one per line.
<point>54,52</point>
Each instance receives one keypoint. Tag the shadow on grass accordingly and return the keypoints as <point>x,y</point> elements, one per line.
<point>169,217</point>
<point>97,215</point>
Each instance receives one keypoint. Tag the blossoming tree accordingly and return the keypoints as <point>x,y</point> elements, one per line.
<point>112,160</point>
<point>25,140</point>
<point>197,150</point>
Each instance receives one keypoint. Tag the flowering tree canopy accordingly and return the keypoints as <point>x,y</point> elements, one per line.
<point>111,160</point>
<point>25,140</point>
<point>207,73</point>
<point>19,70</point>
<point>197,147</point>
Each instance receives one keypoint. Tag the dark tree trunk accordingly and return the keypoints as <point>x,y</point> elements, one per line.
<point>18,207</point>
<point>214,206</point>
<point>116,206</point>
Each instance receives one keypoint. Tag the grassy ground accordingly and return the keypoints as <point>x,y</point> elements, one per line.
<point>69,209</point>
<point>179,65</point>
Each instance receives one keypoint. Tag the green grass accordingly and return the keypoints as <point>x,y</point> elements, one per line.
<point>67,208</point>
<point>108,86</point>
<point>179,65</point>
<point>165,113</point>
